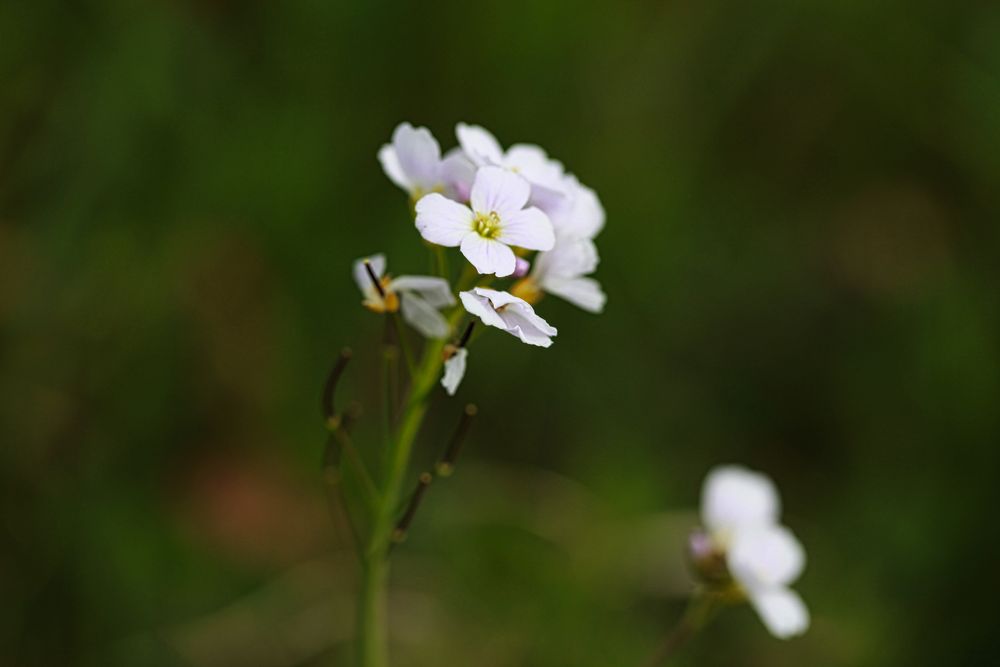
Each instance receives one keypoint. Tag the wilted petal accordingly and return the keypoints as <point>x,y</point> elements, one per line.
<point>506,311</point>
<point>454,371</point>
<point>480,306</point>
<point>528,228</point>
<point>442,221</point>
<point>734,496</point>
<point>489,256</point>
<point>479,144</point>
<point>418,153</point>
<point>500,191</point>
<point>522,322</point>
<point>423,317</point>
<point>436,291</point>
<point>782,611</point>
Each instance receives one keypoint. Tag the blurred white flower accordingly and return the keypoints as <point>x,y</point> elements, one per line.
<point>740,509</point>
<point>418,297</point>
<point>507,312</point>
<point>413,162</point>
<point>496,220</point>
<point>454,370</point>
<point>562,271</point>
<point>734,496</point>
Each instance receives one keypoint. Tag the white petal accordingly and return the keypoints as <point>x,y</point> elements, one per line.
<point>436,291</point>
<point>517,316</point>
<point>733,496</point>
<point>442,221</point>
<point>783,612</point>
<point>481,146</point>
<point>535,165</point>
<point>489,256</point>
<point>570,258</point>
<point>392,168</point>
<point>529,228</point>
<point>423,317</point>
<point>497,298</point>
<point>362,278</point>
<point>583,215</point>
<point>454,371</point>
<point>585,293</point>
<point>762,557</point>
<point>522,322</point>
<point>458,173</point>
<point>500,191</point>
<point>419,155</point>
<point>480,306</point>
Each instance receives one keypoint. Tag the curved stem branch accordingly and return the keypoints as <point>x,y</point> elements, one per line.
<point>697,615</point>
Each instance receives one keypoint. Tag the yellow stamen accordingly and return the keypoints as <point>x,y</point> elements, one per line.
<point>527,289</point>
<point>376,304</point>
<point>487,225</point>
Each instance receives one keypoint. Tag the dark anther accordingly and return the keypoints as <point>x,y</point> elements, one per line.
<point>375,280</point>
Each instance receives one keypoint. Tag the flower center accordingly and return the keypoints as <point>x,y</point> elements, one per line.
<point>487,225</point>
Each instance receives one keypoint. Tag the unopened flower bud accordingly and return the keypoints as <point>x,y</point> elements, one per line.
<point>707,559</point>
<point>521,268</point>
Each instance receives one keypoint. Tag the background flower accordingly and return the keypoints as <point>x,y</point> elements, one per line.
<point>418,297</point>
<point>741,510</point>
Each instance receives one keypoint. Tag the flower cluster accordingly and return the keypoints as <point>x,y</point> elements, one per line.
<point>745,546</point>
<point>497,207</point>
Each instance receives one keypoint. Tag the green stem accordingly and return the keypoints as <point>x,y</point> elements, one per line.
<point>699,612</point>
<point>373,606</point>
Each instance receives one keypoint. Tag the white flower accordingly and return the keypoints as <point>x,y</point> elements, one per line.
<point>418,297</point>
<point>734,496</point>
<point>545,174</point>
<point>740,508</point>
<point>496,220</point>
<point>454,370</point>
<point>562,271</point>
<point>766,560</point>
<point>507,312</point>
<point>413,162</point>
<point>579,214</point>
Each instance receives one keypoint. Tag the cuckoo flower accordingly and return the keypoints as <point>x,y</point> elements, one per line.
<point>413,162</point>
<point>495,220</point>
<point>418,297</point>
<point>507,312</point>
<point>740,509</point>
<point>562,272</point>
<point>578,214</point>
<point>532,162</point>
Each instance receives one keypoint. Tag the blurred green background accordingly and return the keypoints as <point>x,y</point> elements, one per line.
<point>801,259</point>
